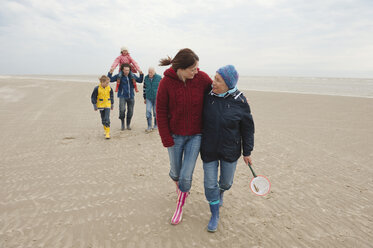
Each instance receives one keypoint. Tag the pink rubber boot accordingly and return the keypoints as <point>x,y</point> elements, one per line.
<point>178,215</point>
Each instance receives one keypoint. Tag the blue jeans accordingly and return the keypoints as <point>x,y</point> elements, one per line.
<point>212,186</point>
<point>122,108</point>
<point>183,156</point>
<point>105,117</point>
<point>150,106</point>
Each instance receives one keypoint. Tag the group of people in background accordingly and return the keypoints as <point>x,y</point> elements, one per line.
<point>194,115</point>
<point>126,87</point>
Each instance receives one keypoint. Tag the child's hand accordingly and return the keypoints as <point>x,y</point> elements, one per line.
<point>112,107</point>
<point>95,107</point>
<point>111,71</point>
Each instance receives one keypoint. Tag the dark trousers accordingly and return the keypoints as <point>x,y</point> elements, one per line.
<point>105,116</point>
<point>122,108</point>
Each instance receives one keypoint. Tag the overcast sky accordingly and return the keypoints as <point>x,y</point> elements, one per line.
<point>332,38</point>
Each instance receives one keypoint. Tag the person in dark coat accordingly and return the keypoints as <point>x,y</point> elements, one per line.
<point>228,130</point>
<point>126,92</point>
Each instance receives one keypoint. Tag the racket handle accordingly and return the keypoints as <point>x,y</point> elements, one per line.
<point>252,171</point>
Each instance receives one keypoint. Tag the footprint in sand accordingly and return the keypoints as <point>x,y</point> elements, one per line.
<point>67,140</point>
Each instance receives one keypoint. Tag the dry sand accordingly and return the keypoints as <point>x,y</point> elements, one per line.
<point>63,185</point>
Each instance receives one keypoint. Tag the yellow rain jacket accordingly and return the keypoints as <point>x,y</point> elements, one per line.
<point>102,97</point>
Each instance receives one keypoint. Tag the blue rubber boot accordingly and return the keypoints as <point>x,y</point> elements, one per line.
<point>214,221</point>
<point>221,198</point>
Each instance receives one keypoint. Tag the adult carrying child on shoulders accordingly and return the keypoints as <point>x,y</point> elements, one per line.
<point>126,92</point>
<point>125,58</point>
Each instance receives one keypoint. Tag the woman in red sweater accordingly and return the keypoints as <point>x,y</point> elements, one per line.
<point>179,115</point>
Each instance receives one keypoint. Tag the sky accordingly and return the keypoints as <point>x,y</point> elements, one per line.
<point>320,38</point>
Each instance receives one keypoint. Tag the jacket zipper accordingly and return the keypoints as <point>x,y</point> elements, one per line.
<point>128,81</point>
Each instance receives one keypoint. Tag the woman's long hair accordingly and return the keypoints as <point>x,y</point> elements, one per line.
<point>183,59</point>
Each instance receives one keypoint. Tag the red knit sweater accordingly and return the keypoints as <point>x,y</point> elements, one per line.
<point>179,105</point>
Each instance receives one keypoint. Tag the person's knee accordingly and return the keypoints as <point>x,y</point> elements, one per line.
<point>174,171</point>
<point>130,113</point>
<point>185,184</point>
<point>173,176</point>
<point>225,186</point>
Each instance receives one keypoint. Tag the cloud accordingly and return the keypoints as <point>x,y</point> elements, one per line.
<point>284,37</point>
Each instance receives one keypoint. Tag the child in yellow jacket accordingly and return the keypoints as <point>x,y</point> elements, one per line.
<point>102,98</point>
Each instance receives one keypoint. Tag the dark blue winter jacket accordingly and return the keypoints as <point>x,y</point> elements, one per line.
<point>228,127</point>
<point>126,88</point>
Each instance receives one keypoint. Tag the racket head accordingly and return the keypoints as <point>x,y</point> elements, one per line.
<point>260,185</point>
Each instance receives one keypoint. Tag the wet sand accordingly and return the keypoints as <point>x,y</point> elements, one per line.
<point>63,185</point>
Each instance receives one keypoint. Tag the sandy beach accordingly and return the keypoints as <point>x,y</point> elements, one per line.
<point>63,185</point>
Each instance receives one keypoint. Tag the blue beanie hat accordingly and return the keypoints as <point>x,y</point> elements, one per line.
<point>229,74</point>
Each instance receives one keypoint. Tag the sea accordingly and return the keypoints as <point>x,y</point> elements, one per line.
<point>354,87</point>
